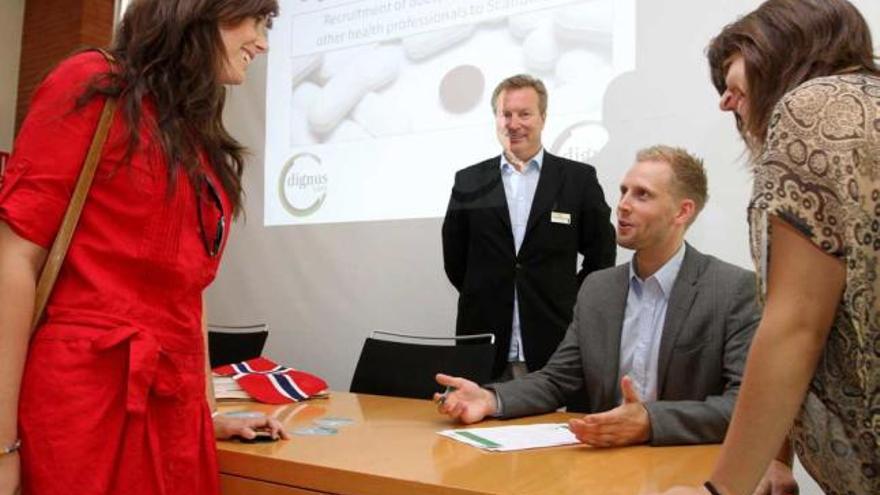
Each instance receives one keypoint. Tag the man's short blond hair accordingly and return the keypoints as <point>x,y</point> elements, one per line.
<point>522,81</point>
<point>688,174</point>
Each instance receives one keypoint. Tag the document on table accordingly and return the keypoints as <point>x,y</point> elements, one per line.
<point>516,437</point>
<point>225,388</point>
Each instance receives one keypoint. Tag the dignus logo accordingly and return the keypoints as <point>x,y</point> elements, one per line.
<point>303,185</point>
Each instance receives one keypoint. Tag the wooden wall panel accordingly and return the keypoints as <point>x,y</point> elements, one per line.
<point>53,29</point>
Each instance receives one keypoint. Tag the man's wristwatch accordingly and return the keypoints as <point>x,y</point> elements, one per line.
<point>11,448</point>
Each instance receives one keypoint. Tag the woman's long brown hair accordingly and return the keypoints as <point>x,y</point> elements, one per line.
<point>170,53</point>
<point>785,43</point>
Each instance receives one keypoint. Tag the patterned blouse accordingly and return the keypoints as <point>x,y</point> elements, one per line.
<point>820,172</point>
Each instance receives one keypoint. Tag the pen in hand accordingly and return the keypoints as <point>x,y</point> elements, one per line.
<point>442,398</point>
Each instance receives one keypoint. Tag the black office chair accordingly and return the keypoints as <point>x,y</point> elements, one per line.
<point>234,344</point>
<point>407,369</point>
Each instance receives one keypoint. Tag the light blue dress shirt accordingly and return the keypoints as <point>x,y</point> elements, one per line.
<point>643,321</point>
<point>519,189</point>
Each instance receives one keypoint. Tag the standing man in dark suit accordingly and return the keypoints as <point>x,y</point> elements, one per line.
<point>513,230</point>
<point>657,344</point>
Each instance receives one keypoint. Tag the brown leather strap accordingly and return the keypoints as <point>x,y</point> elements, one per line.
<point>74,209</point>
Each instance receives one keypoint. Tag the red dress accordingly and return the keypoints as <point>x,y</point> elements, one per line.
<point>113,392</point>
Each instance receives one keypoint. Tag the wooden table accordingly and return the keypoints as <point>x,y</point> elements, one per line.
<point>392,449</point>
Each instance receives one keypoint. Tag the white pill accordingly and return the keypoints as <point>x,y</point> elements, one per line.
<point>520,25</point>
<point>380,66</point>
<point>302,67</point>
<point>577,66</point>
<point>382,115</point>
<point>423,45</point>
<point>337,61</point>
<point>541,49</point>
<point>347,131</point>
<point>335,100</point>
<point>586,22</point>
<point>304,95</point>
<point>494,21</point>
<point>301,100</point>
<point>375,69</point>
<point>300,134</point>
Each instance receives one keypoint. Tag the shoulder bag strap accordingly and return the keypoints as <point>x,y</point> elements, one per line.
<point>56,254</point>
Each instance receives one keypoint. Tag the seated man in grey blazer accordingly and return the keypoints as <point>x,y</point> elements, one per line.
<point>658,344</point>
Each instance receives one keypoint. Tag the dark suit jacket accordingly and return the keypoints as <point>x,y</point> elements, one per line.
<point>709,324</point>
<point>481,262</point>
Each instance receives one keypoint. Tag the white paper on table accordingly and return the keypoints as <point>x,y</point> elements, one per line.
<point>227,388</point>
<point>516,437</point>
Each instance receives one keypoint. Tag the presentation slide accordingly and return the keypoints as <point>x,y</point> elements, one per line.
<point>372,105</point>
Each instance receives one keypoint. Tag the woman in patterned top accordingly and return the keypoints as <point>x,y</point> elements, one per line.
<point>802,81</point>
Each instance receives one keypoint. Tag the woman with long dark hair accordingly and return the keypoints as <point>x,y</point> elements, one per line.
<point>802,80</point>
<point>108,394</point>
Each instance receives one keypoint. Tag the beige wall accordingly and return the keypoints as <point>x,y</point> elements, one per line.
<point>11,15</point>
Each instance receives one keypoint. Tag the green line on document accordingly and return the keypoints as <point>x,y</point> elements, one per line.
<point>482,441</point>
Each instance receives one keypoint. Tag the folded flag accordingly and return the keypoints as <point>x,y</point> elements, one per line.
<point>268,382</point>
<point>255,365</point>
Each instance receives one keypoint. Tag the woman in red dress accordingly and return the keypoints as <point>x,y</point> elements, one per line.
<point>109,393</point>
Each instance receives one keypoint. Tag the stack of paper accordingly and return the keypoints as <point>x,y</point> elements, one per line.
<point>225,388</point>
<point>516,437</point>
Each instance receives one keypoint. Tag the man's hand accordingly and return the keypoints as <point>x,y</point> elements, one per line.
<point>226,427</point>
<point>467,403</point>
<point>626,424</point>
<point>777,480</point>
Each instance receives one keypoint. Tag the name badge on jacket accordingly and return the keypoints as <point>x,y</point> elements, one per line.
<point>560,217</point>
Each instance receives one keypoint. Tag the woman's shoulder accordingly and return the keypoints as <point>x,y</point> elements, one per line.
<point>824,89</point>
<point>79,69</point>
<point>846,98</point>
<point>58,93</point>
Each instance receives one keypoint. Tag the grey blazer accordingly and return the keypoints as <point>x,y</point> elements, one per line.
<point>710,320</point>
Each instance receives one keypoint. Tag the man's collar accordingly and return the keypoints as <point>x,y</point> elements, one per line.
<point>538,160</point>
<point>667,273</point>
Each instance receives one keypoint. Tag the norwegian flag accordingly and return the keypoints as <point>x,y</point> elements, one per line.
<point>255,365</point>
<point>268,382</point>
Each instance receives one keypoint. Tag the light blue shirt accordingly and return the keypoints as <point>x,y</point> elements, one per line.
<point>519,189</point>
<point>643,321</point>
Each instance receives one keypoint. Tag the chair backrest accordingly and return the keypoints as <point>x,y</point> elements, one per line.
<point>407,369</point>
<point>234,344</point>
